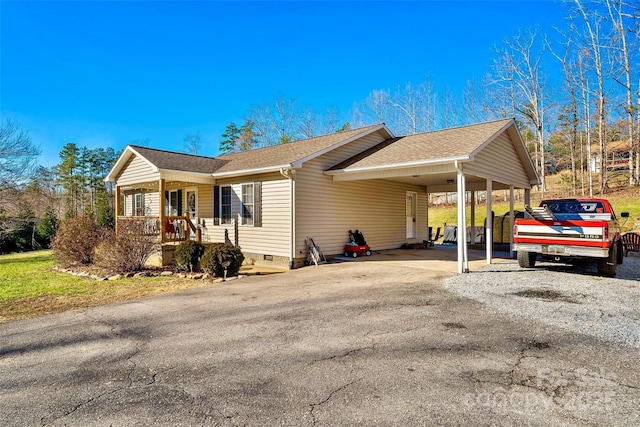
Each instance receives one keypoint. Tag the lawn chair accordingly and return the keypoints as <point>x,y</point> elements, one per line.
<point>631,242</point>
<point>432,239</point>
<point>169,228</point>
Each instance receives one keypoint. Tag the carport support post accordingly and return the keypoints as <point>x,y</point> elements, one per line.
<point>489,226</point>
<point>511,217</point>
<point>473,217</point>
<point>461,238</point>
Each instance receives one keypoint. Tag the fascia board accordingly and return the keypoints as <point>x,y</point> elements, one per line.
<point>265,169</point>
<point>398,165</point>
<point>205,174</point>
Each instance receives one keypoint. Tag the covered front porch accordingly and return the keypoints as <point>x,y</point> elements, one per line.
<point>173,211</point>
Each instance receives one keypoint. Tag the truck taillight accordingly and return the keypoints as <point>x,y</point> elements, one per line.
<point>606,233</point>
<point>515,230</point>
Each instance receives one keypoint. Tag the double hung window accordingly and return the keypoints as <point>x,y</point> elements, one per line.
<point>247,204</point>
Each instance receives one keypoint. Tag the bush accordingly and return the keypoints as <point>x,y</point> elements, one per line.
<point>219,256</point>
<point>128,250</point>
<point>187,255</point>
<point>75,240</point>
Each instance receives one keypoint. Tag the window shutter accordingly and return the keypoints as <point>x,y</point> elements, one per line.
<point>257,204</point>
<point>143,208</point>
<point>179,202</point>
<point>216,205</point>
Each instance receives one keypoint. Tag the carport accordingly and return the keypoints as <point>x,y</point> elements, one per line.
<point>482,157</point>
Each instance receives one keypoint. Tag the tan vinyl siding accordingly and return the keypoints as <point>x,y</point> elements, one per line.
<point>326,210</point>
<point>205,201</point>
<point>137,171</point>
<point>151,202</point>
<point>273,238</point>
<point>500,162</point>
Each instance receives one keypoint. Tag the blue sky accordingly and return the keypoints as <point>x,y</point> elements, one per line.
<point>106,73</point>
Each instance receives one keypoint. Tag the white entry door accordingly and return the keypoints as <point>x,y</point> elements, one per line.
<point>411,209</point>
<point>192,204</point>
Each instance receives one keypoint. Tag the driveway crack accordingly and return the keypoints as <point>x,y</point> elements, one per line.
<point>322,402</point>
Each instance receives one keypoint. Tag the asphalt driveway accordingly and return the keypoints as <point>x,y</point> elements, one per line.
<point>370,343</point>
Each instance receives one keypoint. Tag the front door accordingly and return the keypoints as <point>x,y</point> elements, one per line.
<point>192,204</point>
<point>411,209</point>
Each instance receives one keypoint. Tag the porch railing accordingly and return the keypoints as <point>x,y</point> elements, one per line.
<point>176,228</point>
<point>150,225</point>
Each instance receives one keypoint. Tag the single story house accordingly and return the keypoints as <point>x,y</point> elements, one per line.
<point>270,200</point>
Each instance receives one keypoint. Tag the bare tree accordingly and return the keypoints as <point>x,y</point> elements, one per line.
<point>449,108</point>
<point>416,107</point>
<point>18,154</point>
<point>274,123</point>
<point>518,68</point>
<point>594,46</point>
<point>620,42</point>
<point>569,117</point>
<point>584,90</point>
<point>192,143</point>
<point>473,106</point>
<point>376,108</point>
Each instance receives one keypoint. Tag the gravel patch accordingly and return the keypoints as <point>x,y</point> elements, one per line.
<point>570,297</point>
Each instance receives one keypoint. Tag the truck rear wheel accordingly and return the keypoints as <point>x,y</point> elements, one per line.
<point>609,266</point>
<point>527,259</point>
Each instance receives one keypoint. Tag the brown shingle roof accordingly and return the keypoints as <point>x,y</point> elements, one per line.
<point>457,142</point>
<point>285,153</point>
<point>169,160</point>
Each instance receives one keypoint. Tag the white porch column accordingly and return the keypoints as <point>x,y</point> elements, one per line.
<point>461,238</point>
<point>473,217</point>
<point>527,197</point>
<point>489,226</point>
<point>511,218</point>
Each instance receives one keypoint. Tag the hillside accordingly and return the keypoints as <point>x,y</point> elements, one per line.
<point>622,198</point>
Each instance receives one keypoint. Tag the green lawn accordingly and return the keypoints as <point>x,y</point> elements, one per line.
<point>27,275</point>
<point>28,288</point>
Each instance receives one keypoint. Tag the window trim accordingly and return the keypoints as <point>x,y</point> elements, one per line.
<point>138,208</point>
<point>243,204</point>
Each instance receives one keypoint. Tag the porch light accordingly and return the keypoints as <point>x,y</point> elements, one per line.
<point>450,181</point>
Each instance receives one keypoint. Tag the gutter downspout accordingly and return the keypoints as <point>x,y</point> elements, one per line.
<point>290,175</point>
<point>463,260</point>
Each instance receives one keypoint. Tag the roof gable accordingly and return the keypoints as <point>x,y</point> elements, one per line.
<point>438,146</point>
<point>160,160</point>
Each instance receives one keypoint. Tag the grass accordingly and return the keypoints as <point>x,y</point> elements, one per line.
<point>28,287</point>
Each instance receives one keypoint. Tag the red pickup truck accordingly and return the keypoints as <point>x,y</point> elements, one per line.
<point>562,229</point>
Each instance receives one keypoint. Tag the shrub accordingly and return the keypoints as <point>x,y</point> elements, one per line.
<point>128,250</point>
<point>75,240</point>
<point>219,256</point>
<point>187,255</point>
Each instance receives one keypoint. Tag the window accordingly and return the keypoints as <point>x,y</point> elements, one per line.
<point>173,203</point>
<point>225,205</point>
<point>138,204</point>
<point>243,201</point>
<point>247,204</point>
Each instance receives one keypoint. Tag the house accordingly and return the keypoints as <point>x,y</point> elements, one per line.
<point>269,200</point>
